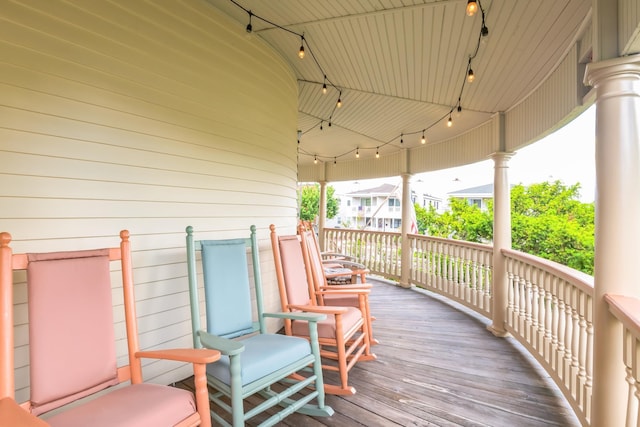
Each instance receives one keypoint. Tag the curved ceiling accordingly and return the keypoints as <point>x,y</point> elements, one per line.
<point>400,66</point>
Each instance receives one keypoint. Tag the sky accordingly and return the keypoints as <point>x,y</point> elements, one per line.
<point>567,155</point>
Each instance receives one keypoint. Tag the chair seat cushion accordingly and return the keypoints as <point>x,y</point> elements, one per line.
<point>327,327</point>
<point>262,355</point>
<point>138,405</point>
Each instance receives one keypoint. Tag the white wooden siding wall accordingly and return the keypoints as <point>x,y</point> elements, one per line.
<point>467,148</point>
<point>547,107</point>
<point>147,116</point>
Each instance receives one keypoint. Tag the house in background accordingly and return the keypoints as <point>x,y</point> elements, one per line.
<point>378,208</point>
<point>478,196</point>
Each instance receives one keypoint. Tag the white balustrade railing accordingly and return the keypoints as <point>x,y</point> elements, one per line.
<point>550,311</point>
<point>627,311</point>
<point>379,251</point>
<point>550,306</point>
<point>456,269</point>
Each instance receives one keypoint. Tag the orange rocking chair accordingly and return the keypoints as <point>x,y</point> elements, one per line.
<point>343,335</point>
<point>318,275</point>
<point>72,349</point>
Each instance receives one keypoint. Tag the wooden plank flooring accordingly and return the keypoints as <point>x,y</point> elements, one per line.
<point>438,365</point>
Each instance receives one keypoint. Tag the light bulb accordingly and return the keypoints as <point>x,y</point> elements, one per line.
<point>339,103</point>
<point>472,7</point>
<point>485,33</point>
<point>377,154</point>
<point>249,26</point>
<point>470,76</point>
<point>301,51</point>
<point>315,160</point>
<point>459,111</point>
<point>324,89</point>
<point>423,140</point>
<point>357,153</point>
<point>401,140</point>
<point>449,122</point>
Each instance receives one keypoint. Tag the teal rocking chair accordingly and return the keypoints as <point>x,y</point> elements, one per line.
<point>251,365</point>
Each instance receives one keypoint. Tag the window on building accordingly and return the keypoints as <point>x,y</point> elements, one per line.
<point>393,202</point>
<point>477,202</point>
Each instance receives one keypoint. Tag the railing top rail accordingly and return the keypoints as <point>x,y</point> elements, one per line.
<point>454,242</point>
<point>353,230</point>
<point>582,280</point>
<point>627,311</point>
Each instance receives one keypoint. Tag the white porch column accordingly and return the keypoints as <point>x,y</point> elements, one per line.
<point>322,213</point>
<point>501,240</point>
<point>617,232</point>
<point>405,257</point>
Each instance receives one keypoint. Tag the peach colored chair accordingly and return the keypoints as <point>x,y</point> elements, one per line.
<point>338,268</point>
<point>318,272</point>
<point>268,368</point>
<point>72,346</point>
<point>343,335</point>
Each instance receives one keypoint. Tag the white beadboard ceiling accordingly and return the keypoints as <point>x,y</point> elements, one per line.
<point>401,64</point>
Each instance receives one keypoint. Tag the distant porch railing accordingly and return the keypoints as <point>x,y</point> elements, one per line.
<point>550,306</point>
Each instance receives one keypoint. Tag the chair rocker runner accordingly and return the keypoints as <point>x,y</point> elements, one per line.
<point>344,338</point>
<point>72,350</point>
<point>253,364</point>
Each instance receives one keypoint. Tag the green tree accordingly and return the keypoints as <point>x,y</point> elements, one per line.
<point>547,220</point>
<point>309,200</point>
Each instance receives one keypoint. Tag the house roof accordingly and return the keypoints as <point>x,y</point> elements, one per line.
<point>384,190</point>
<point>486,189</point>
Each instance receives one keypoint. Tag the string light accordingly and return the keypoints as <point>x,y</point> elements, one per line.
<point>249,27</point>
<point>484,32</point>
<point>301,51</point>
<point>470,76</point>
<point>334,161</point>
<point>472,7</point>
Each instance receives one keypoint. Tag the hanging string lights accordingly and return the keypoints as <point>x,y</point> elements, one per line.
<point>473,7</point>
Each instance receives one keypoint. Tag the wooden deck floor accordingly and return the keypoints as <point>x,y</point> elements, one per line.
<point>438,366</point>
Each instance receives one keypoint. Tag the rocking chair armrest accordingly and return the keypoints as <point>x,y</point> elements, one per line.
<point>358,291</point>
<point>347,287</point>
<point>190,355</point>
<point>320,309</point>
<point>225,346</point>
<point>346,264</point>
<point>327,256</point>
<point>310,317</point>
